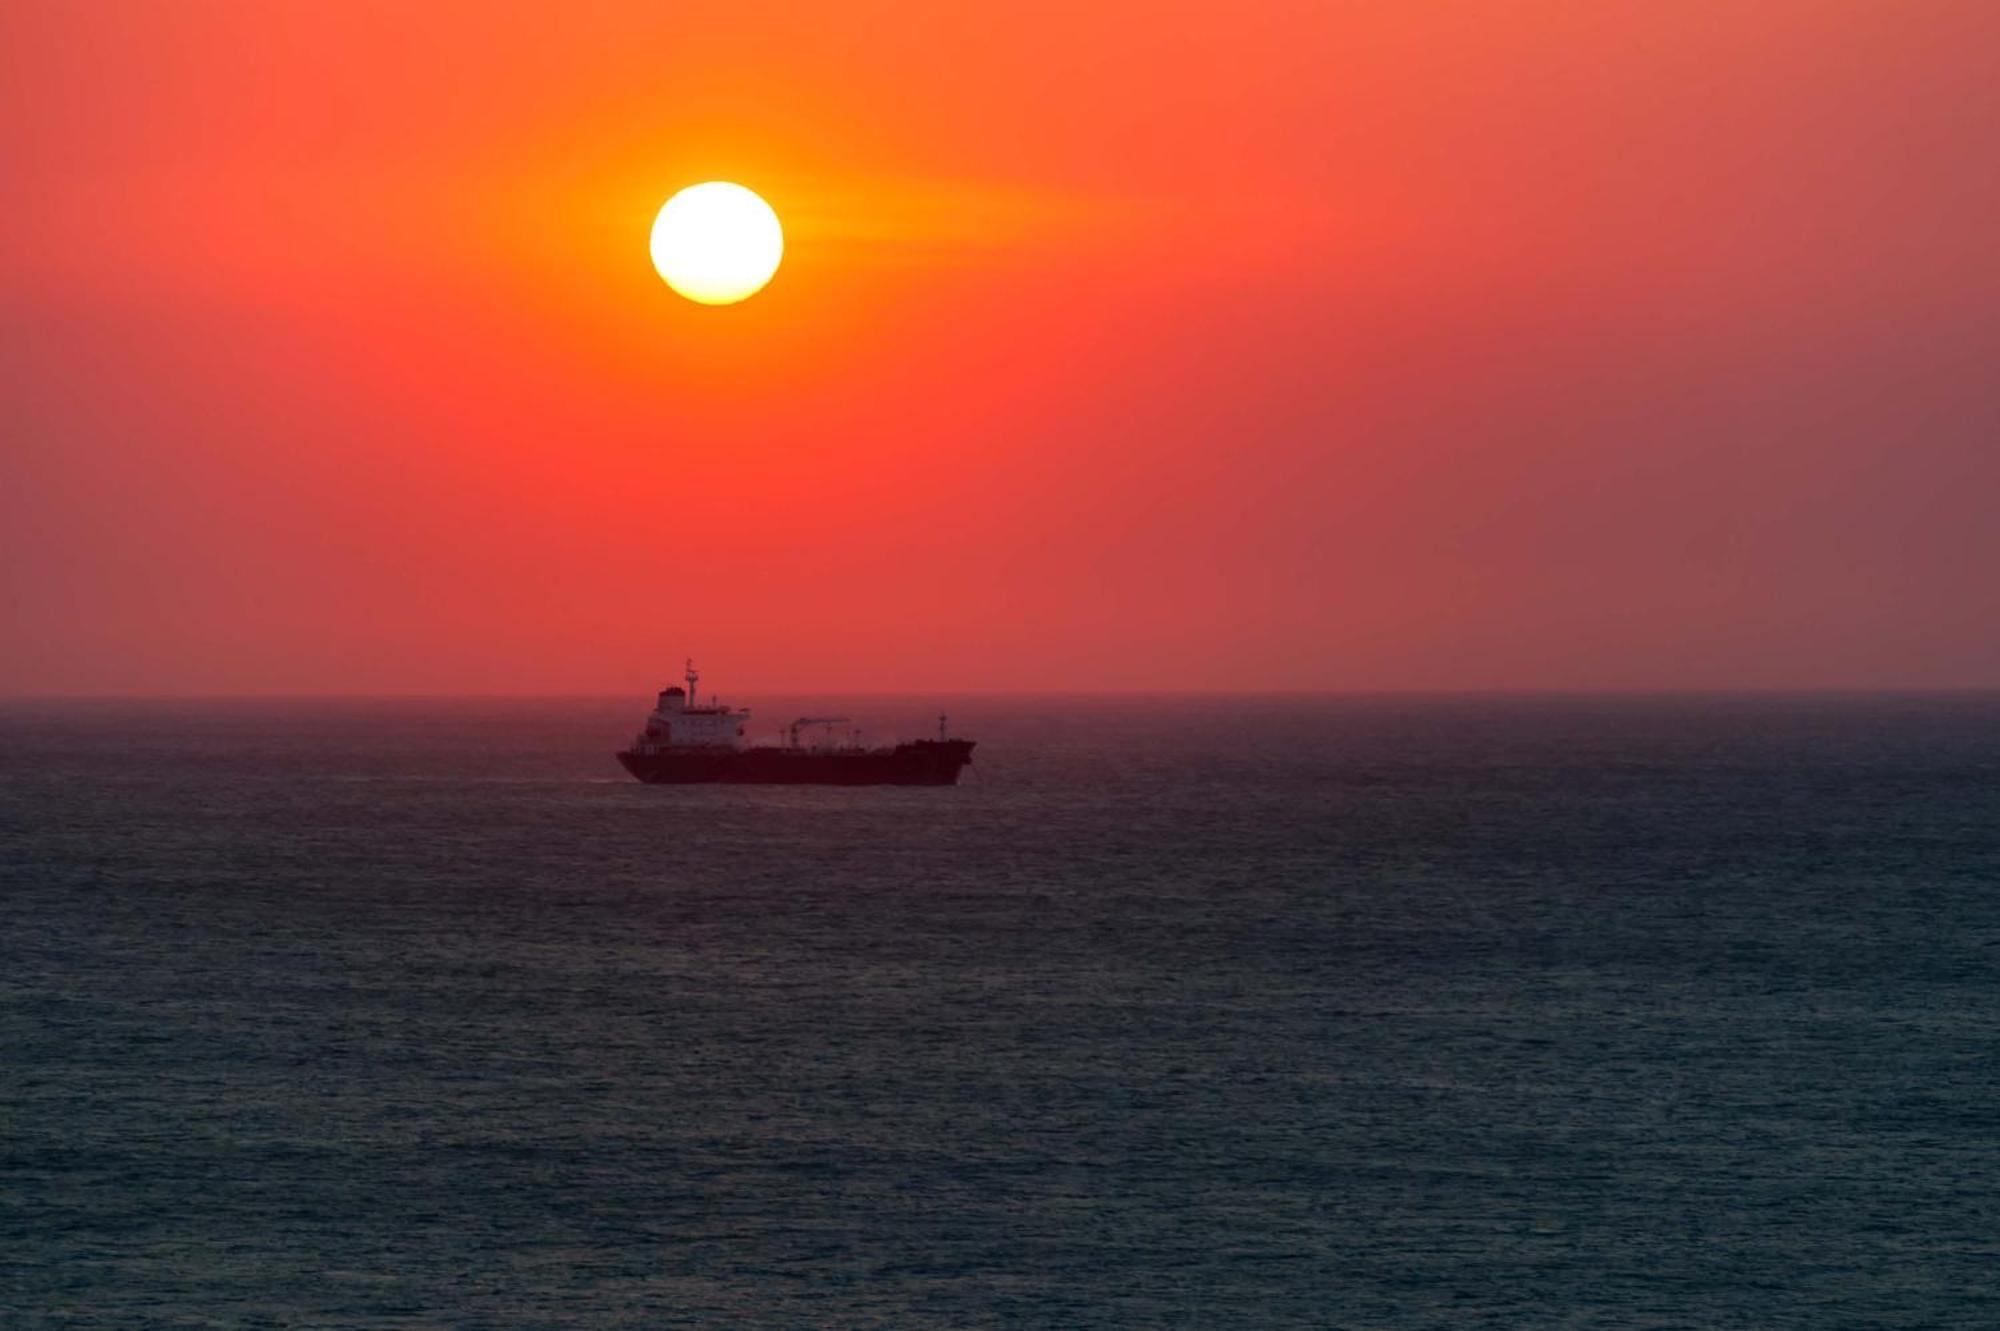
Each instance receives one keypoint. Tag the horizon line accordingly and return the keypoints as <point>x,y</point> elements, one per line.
<point>1501,691</point>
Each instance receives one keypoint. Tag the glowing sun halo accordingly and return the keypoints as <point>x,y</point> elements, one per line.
<point>717,243</point>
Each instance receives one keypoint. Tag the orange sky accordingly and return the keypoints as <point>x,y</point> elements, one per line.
<point>1117,345</point>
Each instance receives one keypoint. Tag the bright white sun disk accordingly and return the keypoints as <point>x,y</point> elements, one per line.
<point>717,243</point>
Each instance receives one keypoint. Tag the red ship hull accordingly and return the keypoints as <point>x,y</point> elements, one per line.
<point>924,763</point>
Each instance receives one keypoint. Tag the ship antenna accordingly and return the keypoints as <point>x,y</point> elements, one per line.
<point>693,677</point>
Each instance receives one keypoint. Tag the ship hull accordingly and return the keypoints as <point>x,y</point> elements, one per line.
<point>926,763</point>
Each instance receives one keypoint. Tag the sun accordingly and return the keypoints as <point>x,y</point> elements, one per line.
<point>717,243</point>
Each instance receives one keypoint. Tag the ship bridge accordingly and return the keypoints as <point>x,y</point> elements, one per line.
<point>680,721</point>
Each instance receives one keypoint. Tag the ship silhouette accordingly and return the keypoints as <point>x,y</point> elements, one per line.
<point>685,742</point>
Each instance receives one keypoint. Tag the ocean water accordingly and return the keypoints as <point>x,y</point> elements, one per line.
<point>1346,1012</point>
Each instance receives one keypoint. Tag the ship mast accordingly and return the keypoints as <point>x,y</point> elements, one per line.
<point>693,676</point>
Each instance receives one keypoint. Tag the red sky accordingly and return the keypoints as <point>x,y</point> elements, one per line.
<point>1117,345</point>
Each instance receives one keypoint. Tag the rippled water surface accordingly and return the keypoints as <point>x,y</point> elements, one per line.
<point>1194,1013</point>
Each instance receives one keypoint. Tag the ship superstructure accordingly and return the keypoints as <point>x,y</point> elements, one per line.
<point>685,741</point>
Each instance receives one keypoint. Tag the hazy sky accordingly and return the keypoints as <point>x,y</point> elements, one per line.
<point>1317,345</point>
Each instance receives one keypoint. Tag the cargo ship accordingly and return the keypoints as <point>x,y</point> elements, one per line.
<point>687,742</point>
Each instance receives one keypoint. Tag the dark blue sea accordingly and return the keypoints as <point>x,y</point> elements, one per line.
<point>1180,1012</point>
